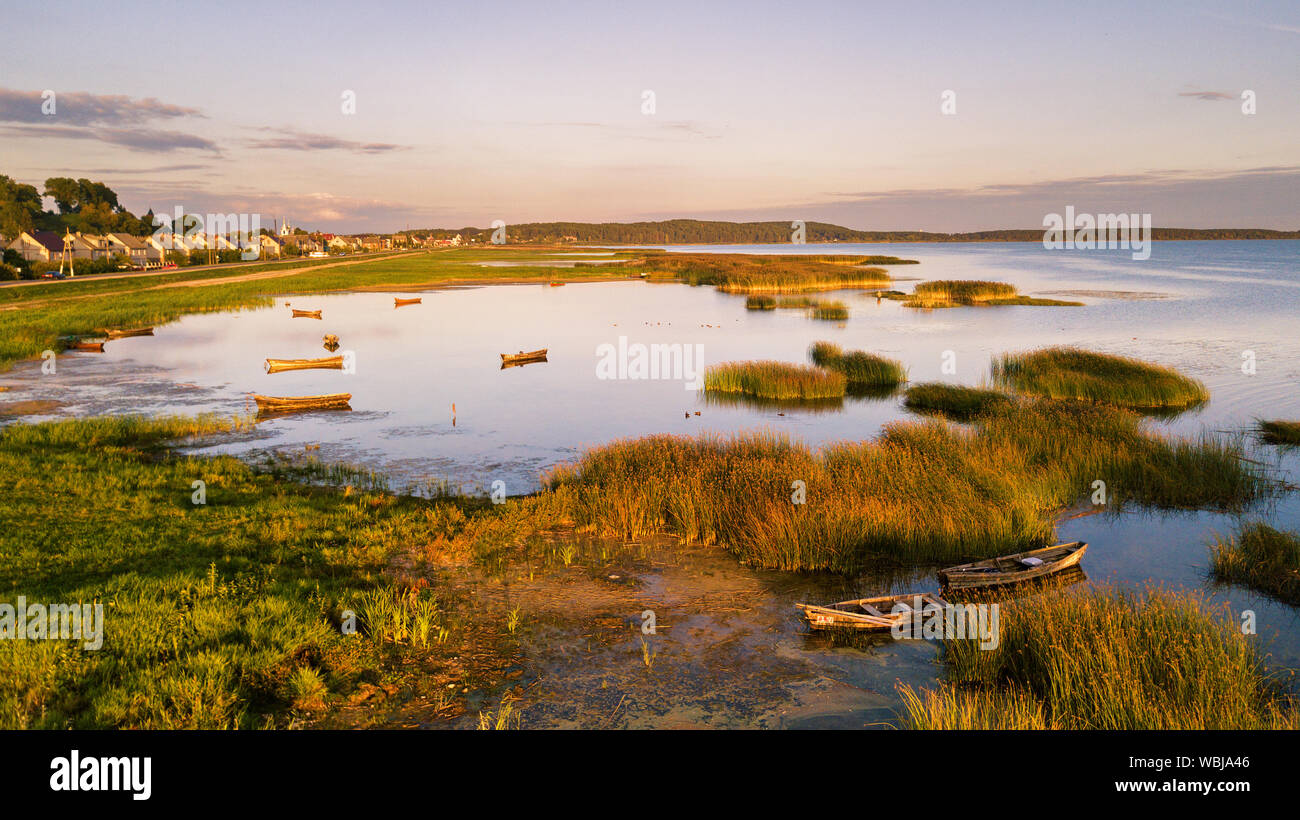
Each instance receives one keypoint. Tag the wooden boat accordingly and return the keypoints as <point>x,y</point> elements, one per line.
<point>1011,569</point>
<point>120,334</point>
<point>331,342</point>
<point>523,358</point>
<point>872,614</point>
<point>305,314</point>
<point>327,363</point>
<point>289,404</point>
<point>557,284</point>
<point>399,302</point>
<point>87,347</point>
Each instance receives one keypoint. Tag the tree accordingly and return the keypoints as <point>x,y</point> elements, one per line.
<point>20,205</point>
<point>66,194</point>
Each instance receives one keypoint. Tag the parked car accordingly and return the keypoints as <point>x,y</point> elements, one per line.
<point>54,274</point>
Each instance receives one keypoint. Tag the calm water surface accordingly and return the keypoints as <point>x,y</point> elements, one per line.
<point>1197,306</point>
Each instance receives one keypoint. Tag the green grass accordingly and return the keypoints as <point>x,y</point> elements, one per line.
<point>1262,558</point>
<point>1072,373</point>
<point>860,369</point>
<point>924,492</point>
<point>773,380</point>
<point>1105,660</point>
<point>1280,432</point>
<point>957,293</point>
<point>220,615</point>
<point>954,401</point>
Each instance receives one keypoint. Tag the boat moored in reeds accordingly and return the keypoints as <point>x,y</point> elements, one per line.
<point>87,347</point>
<point>1015,568</point>
<point>291,404</point>
<point>400,302</point>
<point>326,363</point>
<point>305,314</point>
<point>872,614</point>
<point>523,358</point>
<point>120,334</point>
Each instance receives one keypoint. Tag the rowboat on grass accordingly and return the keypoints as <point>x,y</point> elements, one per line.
<point>327,363</point>
<point>119,334</point>
<point>87,347</point>
<point>305,314</point>
<point>1011,569</point>
<point>871,614</point>
<point>523,358</point>
<point>289,404</point>
<point>399,302</point>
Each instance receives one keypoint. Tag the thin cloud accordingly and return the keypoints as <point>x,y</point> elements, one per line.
<point>83,108</point>
<point>651,129</point>
<point>135,139</point>
<point>1207,95</point>
<point>291,140</point>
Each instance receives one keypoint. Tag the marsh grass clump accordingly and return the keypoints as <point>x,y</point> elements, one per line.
<point>833,310</point>
<point>774,380</point>
<point>925,491</point>
<point>954,401</point>
<point>761,273</point>
<point>847,259</point>
<point>760,302</point>
<point>1073,373</point>
<point>1280,432</point>
<point>1105,659</point>
<point>957,292</point>
<point>1261,558</point>
<point>860,369</point>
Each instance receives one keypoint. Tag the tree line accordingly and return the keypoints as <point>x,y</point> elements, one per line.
<point>701,232</point>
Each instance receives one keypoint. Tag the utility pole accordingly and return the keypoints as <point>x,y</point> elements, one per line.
<point>67,251</point>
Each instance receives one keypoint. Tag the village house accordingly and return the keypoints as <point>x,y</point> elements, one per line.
<point>141,253</point>
<point>271,246</point>
<point>38,246</point>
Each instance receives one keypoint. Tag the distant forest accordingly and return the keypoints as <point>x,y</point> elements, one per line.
<point>697,232</point>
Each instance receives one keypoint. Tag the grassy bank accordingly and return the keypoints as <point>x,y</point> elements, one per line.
<point>957,293</point>
<point>1280,432</point>
<point>925,491</point>
<point>1260,557</point>
<point>954,401</point>
<point>1072,373</point>
<point>224,614</point>
<point>860,369</point>
<point>773,380</point>
<point>1105,660</point>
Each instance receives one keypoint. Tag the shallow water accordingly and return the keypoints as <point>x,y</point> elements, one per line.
<point>1197,306</point>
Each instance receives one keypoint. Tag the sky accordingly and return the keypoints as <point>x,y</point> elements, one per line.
<point>467,113</point>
